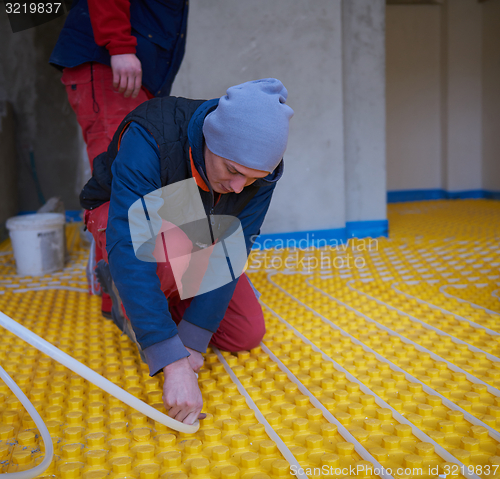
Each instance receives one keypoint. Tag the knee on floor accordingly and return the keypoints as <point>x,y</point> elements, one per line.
<point>254,335</point>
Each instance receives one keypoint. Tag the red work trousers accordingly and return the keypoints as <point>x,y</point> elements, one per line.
<point>98,107</point>
<point>99,110</point>
<point>243,325</point>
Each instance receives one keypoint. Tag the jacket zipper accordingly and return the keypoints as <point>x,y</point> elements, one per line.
<point>211,212</point>
<point>211,223</point>
<point>211,215</point>
<point>214,204</point>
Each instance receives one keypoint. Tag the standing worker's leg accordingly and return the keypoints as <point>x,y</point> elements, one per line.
<point>98,107</point>
<point>99,111</point>
<point>97,220</point>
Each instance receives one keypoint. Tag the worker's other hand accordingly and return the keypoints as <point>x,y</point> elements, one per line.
<point>195,360</point>
<point>181,394</point>
<point>127,74</point>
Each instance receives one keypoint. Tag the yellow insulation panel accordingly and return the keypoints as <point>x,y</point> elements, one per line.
<point>383,359</point>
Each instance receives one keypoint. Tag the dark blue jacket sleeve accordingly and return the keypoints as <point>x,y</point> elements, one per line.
<point>207,310</point>
<point>136,172</point>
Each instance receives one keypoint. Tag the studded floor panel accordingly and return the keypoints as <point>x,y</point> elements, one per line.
<point>381,359</point>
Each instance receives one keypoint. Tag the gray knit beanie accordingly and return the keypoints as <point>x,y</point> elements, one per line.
<point>250,124</point>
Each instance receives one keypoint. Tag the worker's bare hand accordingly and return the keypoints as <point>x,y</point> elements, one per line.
<point>195,360</point>
<point>127,74</point>
<point>181,394</point>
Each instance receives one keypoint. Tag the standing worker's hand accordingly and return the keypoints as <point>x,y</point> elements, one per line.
<point>181,394</point>
<point>127,74</point>
<point>195,360</point>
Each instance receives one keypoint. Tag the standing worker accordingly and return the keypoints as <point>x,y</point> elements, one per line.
<point>116,54</point>
<point>220,161</point>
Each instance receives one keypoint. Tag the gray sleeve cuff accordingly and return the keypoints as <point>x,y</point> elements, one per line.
<point>193,336</point>
<point>163,353</point>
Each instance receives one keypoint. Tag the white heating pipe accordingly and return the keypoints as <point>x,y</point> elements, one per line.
<point>90,375</point>
<point>49,448</point>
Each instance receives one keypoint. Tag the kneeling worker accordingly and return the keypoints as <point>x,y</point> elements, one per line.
<point>170,159</point>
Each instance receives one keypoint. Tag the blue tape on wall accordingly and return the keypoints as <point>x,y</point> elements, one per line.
<point>439,194</point>
<point>415,195</point>
<point>74,215</point>
<point>71,215</point>
<point>322,238</point>
<point>464,195</point>
<point>353,229</point>
<point>492,195</point>
<point>300,239</point>
<point>365,229</point>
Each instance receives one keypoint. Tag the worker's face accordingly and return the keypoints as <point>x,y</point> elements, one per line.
<point>226,176</point>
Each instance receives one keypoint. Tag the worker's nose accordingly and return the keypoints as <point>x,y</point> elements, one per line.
<point>238,184</point>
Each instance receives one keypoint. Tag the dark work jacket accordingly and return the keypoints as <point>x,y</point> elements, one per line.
<point>175,125</point>
<point>159,26</point>
<point>168,120</point>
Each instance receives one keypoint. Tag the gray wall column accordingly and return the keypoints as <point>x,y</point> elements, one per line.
<point>462,95</point>
<point>363,46</point>
<point>300,43</point>
<point>491,94</point>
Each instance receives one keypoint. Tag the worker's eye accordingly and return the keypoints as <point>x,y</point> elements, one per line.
<point>233,172</point>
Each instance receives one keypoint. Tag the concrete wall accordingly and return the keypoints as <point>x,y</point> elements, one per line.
<point>491,95</point>
<point>334,165</point>
<point>462,91</point>
<point>363,42</point>
<point>8,166</point>
<point>443,100</point>
<point>45,122</point>
<point>413,43</point>
<point>301,44</point>
<point>335,160</point>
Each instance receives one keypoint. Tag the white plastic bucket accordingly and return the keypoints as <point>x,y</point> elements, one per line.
<point>38,242</point>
